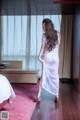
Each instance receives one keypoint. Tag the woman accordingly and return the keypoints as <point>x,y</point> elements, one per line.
<point>6,92</point>
<point>49,58</point>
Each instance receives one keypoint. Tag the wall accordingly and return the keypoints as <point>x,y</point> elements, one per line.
<point>0,38</point>
<point>76,50</point>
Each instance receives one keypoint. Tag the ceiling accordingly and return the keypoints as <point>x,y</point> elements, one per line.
<point>38,7</point>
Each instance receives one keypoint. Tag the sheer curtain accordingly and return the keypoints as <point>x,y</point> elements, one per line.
<point>21,38</point>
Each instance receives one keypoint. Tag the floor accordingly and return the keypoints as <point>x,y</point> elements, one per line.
<point>68,107</point>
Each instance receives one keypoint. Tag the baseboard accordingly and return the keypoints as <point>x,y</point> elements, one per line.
<point>65,80</point>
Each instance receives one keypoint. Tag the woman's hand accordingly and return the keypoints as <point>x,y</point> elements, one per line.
<point>41,60</point>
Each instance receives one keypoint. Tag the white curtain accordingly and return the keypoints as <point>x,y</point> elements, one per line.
<point>21,38</point>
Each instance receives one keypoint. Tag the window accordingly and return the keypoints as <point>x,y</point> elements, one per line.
<point>21,38</point>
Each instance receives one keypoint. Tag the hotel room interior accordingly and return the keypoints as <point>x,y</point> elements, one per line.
<point>20,41</point>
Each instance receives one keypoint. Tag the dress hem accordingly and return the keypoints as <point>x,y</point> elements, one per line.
<point>50,92</point>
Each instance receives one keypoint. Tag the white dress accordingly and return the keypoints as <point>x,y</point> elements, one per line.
<point>50,75</point>
<point>6,90</point>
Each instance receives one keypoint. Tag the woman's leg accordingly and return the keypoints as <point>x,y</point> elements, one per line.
<point>40,88</point>
<point>40,85</point>
<point>56,99</point>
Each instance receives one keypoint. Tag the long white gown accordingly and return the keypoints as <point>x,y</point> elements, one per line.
<point>6,90</point>
<point>50,75</point>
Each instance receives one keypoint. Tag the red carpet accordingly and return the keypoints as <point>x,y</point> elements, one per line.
<point>23,106</point>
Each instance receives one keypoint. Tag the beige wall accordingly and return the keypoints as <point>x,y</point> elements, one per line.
<point>76,51</point>
<point>0,38</point>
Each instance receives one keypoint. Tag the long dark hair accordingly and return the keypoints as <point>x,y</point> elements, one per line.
<point>50,34</point>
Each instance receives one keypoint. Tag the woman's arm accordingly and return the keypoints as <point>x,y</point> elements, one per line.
<point>41,53</point>
<point>59,37</point>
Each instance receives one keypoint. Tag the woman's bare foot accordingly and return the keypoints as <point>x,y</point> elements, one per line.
<point>38,100</point>
<point>56,99</point>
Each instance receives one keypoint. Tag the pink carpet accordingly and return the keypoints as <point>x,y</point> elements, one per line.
<point>23,106</point>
